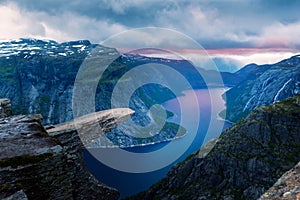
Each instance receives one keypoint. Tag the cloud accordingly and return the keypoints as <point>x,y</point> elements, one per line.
<point>214,24</point>
<point>258,58</point>
<point>16,23</point>
<point>280,35</point>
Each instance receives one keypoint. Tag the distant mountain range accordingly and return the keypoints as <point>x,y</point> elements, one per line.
<point>263,85</point>
<point>38,76</point>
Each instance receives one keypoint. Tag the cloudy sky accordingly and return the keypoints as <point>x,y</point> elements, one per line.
<point>241,31</point>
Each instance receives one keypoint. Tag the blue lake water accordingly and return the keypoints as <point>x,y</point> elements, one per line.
<point>210,103</point>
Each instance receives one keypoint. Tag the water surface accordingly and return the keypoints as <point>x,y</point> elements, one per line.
<point>208,127</point>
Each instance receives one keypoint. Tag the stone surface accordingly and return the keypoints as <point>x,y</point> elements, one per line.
<point>5,108</point>
<point>23,135</point>
<point>246,160</point>
<point>20,195</point>
<point>90,127</point>
<point>286,188</point>
<point>32,161</point>
<point>50,165</point>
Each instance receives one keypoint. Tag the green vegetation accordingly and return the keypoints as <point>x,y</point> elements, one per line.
<point>7,73</point>
<point>4,187</point>
<point>289,106</point>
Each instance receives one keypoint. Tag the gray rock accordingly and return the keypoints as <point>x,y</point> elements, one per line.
<point>5,108</point>
<point>50,165</point>
<point>20,195</point>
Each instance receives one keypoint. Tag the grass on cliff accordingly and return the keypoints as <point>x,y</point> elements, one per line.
<point>289,105</point>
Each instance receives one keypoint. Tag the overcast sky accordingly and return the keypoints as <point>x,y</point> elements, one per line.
<point>224,27</point>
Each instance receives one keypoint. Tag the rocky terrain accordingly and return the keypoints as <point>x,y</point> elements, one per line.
<point>286,188</point>
<point>5,108</point>
<point>243,163</point>
<point>263,85</point>
<point>40,164</point>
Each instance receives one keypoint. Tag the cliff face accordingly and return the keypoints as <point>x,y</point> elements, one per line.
<point>50,165</point>
<point>38,76</point>
<point>245,161</point>
<point>32,161</point>
<point>263,85</point>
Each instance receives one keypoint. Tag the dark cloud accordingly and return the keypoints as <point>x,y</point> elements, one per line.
<point>214,24</point>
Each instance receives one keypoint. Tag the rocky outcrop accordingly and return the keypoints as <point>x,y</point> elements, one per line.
<point>50,165</point>
<point>5,108</point>
<point>286,188</point>
<point>20,195</point>
<point>32,161</point>
<point>89,128</point>
<point>263,86</point>
<point>246,159</point>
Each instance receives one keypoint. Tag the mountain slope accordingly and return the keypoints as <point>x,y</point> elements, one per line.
<point>38,76</point>
<point>263,85</point>
<point>246,160</point>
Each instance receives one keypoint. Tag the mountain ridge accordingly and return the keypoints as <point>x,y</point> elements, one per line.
<point>38,76</point>
<point>263,86</point>
<point>244,162</point>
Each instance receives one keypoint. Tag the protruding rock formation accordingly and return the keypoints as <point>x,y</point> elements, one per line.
<point>51,166</point>
<point>90,126</point>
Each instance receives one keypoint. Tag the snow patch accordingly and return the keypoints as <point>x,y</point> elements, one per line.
<point>78,46</point>
<point>62,54</point>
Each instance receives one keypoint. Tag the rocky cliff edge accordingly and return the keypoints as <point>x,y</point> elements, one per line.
<point>40,164</point>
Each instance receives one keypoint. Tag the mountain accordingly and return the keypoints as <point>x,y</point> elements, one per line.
<point>198,77</point>
<point>263,85</point>
<point>243,162</point>
<point>39,76</point>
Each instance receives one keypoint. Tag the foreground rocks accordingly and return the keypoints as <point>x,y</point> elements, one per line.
<point>41,165</point>
<point>286,188</point>
<point>246,160</point>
